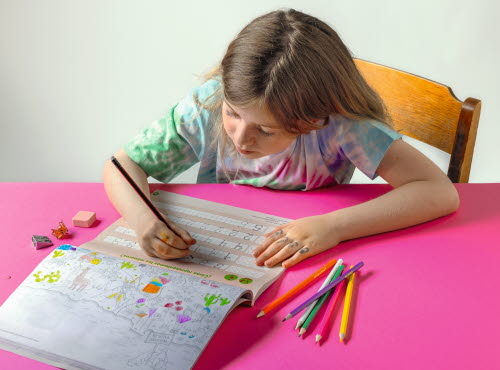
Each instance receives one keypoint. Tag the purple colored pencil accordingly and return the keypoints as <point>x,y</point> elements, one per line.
<point>324,290</point>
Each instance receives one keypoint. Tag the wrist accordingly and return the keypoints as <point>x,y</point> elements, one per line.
<point>337,226</point>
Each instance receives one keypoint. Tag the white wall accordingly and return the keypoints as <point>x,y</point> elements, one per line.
<point>80,78</point>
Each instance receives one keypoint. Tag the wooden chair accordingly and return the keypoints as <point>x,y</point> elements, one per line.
<point>429,112</point>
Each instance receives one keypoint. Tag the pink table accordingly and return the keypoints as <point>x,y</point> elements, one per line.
<point>427,296</point>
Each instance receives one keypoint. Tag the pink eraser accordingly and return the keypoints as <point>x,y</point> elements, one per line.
<point>84,219</point>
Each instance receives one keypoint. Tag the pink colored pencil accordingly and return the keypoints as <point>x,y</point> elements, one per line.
<point>329,313</point>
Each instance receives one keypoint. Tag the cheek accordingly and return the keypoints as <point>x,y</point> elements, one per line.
<point>228,125</point>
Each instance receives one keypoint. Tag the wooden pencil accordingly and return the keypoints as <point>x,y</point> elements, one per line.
<point>297,288</point>
<point>328,280</point>
<point>319,303</point>
<point>330,286</point>
<point>347,308</point>
<point>325,322</point>
<point>141,194</point>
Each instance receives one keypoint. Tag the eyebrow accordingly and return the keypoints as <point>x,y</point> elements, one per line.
<point>261,124</point>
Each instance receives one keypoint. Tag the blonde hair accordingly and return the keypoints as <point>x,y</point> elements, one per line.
<point>296,66</point>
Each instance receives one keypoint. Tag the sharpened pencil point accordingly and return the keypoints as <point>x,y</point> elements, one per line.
<point>302,331</point>
<point>261,313</point>
<point>341,337</point>
<point>298,325</point>
<point>287,317</point>
<point>318,338</point>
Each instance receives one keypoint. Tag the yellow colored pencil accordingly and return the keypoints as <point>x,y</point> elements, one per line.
<point>347,307</point>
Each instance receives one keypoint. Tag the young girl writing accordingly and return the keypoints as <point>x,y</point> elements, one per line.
<point>286,109</point>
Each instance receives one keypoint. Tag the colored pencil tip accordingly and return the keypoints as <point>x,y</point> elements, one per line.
<point>298,325</point>
<point>261,313</point>
<point>318,338</point>
<point>302,331</point>
<point>287,317</point>
<point>341,337</point>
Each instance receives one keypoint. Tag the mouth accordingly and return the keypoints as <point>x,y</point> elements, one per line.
<point>245,152</point>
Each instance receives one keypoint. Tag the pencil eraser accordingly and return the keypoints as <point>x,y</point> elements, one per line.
<point>84,219</point>
<point>40,241</point>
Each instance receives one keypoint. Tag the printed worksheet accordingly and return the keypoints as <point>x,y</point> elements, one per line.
<point>86,310</point>
<point>226,237</point>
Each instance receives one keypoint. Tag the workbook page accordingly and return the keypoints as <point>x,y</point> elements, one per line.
<point>87,310</point>
<point>226,237</point>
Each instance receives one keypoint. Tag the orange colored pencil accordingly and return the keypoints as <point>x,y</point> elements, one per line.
<point>297,288</point>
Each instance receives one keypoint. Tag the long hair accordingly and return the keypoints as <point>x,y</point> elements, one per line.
<point>297,67</point>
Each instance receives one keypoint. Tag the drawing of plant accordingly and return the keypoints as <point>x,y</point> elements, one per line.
<point>53,277</point>
<point>213,299</point>
<point>38,276</point>
<point>127,265</point>
<point>57,253</point>
<point>224,301</point>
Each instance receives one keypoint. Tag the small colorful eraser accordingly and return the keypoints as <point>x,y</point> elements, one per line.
<point>84,219</point>
<point>40,241</point>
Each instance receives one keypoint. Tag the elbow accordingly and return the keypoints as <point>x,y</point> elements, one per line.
<point>451,199</point>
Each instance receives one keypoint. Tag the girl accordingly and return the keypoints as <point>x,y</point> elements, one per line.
<point>287,109</point>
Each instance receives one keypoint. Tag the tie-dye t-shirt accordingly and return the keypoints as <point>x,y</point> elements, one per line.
<point>320,158</point>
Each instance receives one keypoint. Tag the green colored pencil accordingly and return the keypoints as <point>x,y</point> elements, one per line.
<point>319,303</point>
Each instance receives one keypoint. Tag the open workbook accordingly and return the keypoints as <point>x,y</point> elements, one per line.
<point>108,305</point>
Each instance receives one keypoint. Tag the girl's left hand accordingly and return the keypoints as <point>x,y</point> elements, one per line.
<point>296,240</point>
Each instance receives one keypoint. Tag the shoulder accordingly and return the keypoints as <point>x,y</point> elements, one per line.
<point>365,130</point>
<point>199,104</point>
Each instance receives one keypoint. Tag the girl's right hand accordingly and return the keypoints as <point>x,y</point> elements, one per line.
<point>157,240</point>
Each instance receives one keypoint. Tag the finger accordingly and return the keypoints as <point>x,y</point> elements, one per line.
<point>186,237</point>
<point>273,236</point>
<point>298,256</point>
<point>168,252</point>
<point>148,249</point>
<point>272,250</point>
<point>287,251</point>
<point>168,237</point>
<point>274,230</point>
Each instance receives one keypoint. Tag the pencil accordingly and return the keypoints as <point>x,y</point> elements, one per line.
<point>347,307</point>
<point>328,280</point>
<point>323,291</point>
<point>330,310</point>
<point>297,288</point>
<point>319,303</point>
<point>141,194</point>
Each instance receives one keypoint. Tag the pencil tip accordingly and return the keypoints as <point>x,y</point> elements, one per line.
<point>302,331</point>
<point>318,338</point>
<point>341,337</point>
<point>260,314</point>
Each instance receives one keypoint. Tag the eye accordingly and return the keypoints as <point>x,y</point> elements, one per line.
<point>265,133</point>
<point>232,114</point>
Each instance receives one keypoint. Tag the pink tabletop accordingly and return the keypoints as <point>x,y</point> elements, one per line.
<point>427,296</point>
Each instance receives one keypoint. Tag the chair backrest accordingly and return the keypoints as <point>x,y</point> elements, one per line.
<point>429,112</point>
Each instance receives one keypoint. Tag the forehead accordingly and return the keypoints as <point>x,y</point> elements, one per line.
<point>259,115</point>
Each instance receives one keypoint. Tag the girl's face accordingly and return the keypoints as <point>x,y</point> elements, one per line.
<point>254,132</point>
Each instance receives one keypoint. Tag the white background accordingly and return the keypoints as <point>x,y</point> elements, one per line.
<point>78,79</point>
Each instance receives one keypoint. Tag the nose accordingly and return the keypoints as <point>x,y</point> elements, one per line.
<point>242,136</point>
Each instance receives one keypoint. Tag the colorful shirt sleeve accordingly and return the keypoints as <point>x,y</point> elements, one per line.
<point>364,143</point>
<point>174,143</point>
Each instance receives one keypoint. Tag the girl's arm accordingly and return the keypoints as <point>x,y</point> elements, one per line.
<point>422,192</point>
<point>155,238</point>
